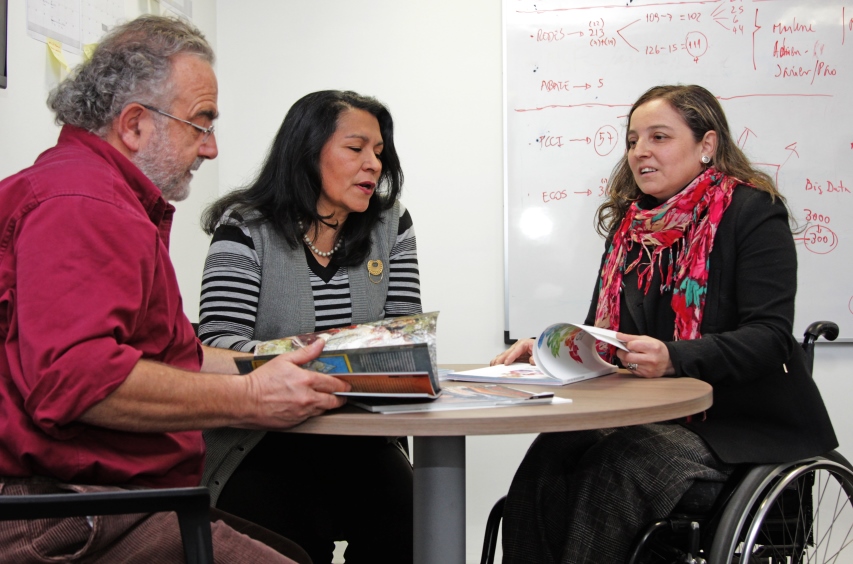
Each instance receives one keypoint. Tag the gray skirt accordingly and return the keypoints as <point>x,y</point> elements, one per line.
<point>584,496</point>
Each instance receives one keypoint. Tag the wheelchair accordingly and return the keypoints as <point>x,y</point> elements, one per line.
<point>793,513</point>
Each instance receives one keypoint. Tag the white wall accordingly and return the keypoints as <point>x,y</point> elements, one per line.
<point>437,65</point>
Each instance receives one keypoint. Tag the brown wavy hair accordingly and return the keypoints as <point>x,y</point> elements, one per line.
<point>702,113</point>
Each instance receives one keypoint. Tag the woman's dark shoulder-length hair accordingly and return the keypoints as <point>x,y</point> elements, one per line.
<point>289,184</point>
<point>701,112</point>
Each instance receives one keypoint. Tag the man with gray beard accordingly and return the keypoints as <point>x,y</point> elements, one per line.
<point>103,384</point>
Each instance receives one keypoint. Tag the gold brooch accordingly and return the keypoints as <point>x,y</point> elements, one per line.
<point>375,268</point>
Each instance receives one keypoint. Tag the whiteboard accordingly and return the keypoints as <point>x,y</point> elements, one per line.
<point>572,69</point>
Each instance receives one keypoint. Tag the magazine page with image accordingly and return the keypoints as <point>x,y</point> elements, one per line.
<point>394,356</point>
<point>563,353</point>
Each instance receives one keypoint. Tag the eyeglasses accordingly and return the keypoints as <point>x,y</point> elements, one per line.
<point>206,131</point>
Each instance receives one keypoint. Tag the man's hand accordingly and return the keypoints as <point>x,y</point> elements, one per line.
<point>281,394</point>
<point>159,398</point>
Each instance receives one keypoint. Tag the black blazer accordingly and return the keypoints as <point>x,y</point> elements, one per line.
<point>766,406</point>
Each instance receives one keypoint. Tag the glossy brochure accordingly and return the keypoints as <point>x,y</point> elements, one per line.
<point>563,353</point>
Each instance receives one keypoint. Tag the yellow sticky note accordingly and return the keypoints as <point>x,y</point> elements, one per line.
<point>88,50</point>
<point>56,50</point>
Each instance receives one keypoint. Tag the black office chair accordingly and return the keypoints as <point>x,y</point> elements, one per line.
<point>764,514</point>
<point>191,505</point>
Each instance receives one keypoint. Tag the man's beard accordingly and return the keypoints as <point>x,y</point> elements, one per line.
<point>159,161</point>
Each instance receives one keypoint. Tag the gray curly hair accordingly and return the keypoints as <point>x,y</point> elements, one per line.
<point>131,64</point>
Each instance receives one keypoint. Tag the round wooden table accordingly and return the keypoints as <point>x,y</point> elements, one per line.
<point>615,400</point>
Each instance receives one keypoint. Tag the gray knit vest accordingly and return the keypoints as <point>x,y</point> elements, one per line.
<point>285,308</point>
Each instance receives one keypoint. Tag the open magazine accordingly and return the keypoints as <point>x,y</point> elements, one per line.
<point>563,353</point>
<point>391,366</point>
<point>392,357</point>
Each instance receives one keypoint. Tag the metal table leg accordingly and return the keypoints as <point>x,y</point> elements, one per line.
<point>439,500</point>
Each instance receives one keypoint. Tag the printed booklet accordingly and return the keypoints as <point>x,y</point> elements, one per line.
<point>456,397</point>
<point>393,357</point>
<point>563,353</point>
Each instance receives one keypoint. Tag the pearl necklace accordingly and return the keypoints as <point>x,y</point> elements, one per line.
<point>314,249</point>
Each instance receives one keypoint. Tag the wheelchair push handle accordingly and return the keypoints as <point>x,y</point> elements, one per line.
<point>826,329</point>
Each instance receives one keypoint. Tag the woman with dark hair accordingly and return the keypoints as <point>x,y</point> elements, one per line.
<point>317,241</point>
<point>698,277</point>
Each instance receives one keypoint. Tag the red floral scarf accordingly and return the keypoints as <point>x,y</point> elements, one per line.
<point>691,217</point>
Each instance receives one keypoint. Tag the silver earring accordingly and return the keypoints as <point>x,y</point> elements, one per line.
<point>706,159</point>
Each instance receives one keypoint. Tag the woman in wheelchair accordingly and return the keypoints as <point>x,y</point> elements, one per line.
<point>699,278</point>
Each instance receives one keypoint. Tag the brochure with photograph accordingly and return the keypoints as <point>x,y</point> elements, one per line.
<point>392,357</point>
<point>563,353</point>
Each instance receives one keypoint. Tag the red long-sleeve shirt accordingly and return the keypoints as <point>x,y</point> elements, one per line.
<point>86,290</point>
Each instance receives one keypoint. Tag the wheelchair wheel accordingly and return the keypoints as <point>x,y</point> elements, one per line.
<point>789,513</point>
